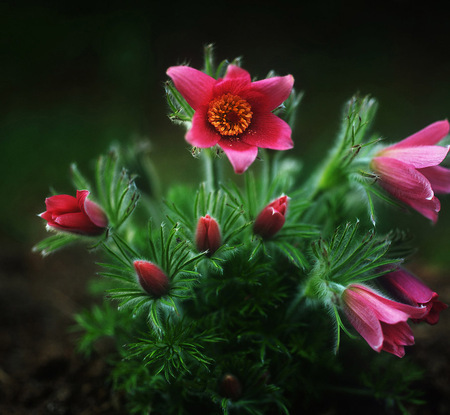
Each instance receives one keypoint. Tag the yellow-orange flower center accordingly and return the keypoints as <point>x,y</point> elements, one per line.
<point>230,114</point>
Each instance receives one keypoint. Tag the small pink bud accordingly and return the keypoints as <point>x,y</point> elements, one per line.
<point>271,219</point>
<point>207,236</point>
<point>75,214</point>
<point>152,278</point>
<point>230,387</point>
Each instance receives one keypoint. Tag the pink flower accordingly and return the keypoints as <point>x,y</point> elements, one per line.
<point>151,278</point>
<point>234,112</point>
<point>75,214</point>
<point>413,291</point>
<point>380,321</point>
<point>207,236</point>
<point>271,219</point>
<point>410,170</point>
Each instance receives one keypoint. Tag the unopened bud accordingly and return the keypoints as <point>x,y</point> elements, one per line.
<point>152,279</point>
<point>207,236</point>
<point>271,219</point>
<point>230,387</point>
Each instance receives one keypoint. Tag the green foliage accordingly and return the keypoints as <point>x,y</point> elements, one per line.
<point>175,348</point>
<point>55,242</point>
<point>348,257</point>
<point>116,189</point>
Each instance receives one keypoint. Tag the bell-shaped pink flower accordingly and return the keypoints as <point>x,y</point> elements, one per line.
<point>409,170</point>
<point>234,112</point>
<point>207,236</point>
<point>75,214</point>
<point>152,278</point>
<point>271,219</point>
<point>411,290</point>
<point>380,321</point>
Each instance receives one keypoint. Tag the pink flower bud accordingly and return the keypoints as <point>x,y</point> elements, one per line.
<point>271,219</point>
<point>152,278</point>
<point>75,214</point>
<point>207,236</point>
<point>230,387</point>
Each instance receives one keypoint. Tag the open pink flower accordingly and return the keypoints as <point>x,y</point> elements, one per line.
<point>410,171</point>
<point>413,291</point>
<point>75,214</point>
<point>380,321</point>
<point>234,112</point>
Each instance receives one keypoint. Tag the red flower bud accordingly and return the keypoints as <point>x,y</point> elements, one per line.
<point>230,387</point>
<point>152,278</point>
<point>207,236</point>
<point>271,219</point>
<point>75,214</point>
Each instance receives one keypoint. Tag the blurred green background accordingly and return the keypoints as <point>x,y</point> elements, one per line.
<point>76,77</point>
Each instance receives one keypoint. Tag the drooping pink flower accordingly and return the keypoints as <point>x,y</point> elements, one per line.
<point>409,170</point>
<point>380,321</point>
<point>271,219</point>
<point>234,112</point>
<point>75,214</point>
<point>413,291</point>
<point>151,278</point>
<point>207,236</point>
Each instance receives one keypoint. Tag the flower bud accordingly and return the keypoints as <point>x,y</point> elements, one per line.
<point>152,279</point>
<point>271,219</point>
<point>75,214</point>
<point>230,387</point>
<point>207,236</point>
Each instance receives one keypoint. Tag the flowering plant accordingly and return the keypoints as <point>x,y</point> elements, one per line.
<point>219,298</point>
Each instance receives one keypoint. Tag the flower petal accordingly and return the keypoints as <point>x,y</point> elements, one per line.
<point>418,157</point>
<point>402,180</point>
<point>386,310</point>
<point>202,134</point>
<point>429,135</point>
<point>95,213</point>
<point>241,155</point>
<point>364,321</point>
<point>436,307</point>
<point>76,222</point>
<point>396,336</point>
<point>407,286</point>
<point>236,72</point>
<point>439,177</point>
<point>268,131</point>
<point>194,85</point>
<point>61,203</point>
<point>81,198</point>
<point>428,208</point>
<point>276,89</point>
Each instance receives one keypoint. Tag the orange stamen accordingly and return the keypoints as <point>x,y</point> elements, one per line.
<point>230,114</point>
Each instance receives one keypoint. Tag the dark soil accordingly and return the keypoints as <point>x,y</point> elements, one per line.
<point>42,373</point>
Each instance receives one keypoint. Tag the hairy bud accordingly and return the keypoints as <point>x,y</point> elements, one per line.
<point>151,278</point>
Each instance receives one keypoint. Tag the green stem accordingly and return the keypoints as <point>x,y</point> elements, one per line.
<point>211,170</point>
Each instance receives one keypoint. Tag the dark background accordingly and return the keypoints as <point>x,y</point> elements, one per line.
<point>74,78</point>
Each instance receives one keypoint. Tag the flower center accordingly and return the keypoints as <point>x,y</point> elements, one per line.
<point>230,114</point>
